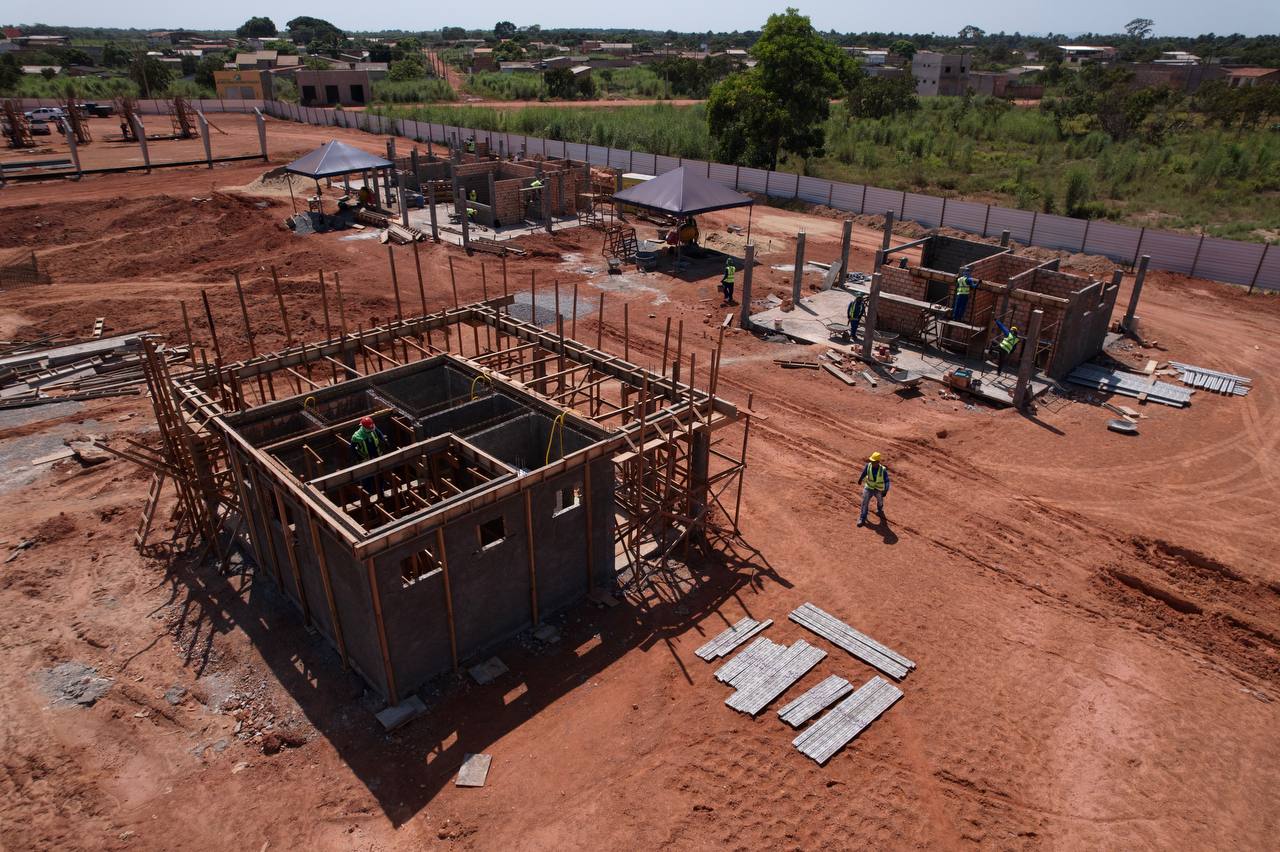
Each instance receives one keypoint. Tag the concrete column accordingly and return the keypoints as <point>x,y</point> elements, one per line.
<point>798,275</point>
<point>466,222</point>
<point>545,195</point>
<point>391,149</point>
<point>1027,367</point>
<point>404,203</point>
<point>493,194</point>
<point>413,166</point>
<point>431,209</point>
<point>262,132</point>
<point>141,132</point>
<point>845,236</point>
<point>888,232</point>
<point>1137,292</point>
<point>75,150</point>
<point>879,261</point>
<point>386,185</point>
<point>1004,238</point>
<point>204,137</point>
<point>744,320</point>
<point>869,329</point>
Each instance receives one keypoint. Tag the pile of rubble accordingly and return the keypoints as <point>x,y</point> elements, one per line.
<point>55,370</point>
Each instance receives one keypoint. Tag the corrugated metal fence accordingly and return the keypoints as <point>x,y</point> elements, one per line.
<point>1232,261</point>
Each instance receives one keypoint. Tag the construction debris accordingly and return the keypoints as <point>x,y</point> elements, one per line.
<point>731,638</point>
<point>863,647</point>
<point>401,714</point>
<point>1212,380</point>
<point>35,373</point>
<point>488,671</point>
<point>474,771</point>
<point>848,719</point>
<point>839,374</point>
<point>1113,381</point>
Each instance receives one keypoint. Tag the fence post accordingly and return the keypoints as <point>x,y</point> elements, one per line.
<point>204,137</point>
<point>1136,293</point>
<point>736,171</point>
<point>1085,239</point>
<point>942,217</point>
<point>1196,259</point>
<point>862,205</point>
<point>985,220</point>
<point>141,133</point>
<point>902,208</point>
<point>75,150</point>
<point>767,172</point>
<point>1258,271</point>
<point>1031,238</point>
<point>1138,250</point>
<point>831,191</point>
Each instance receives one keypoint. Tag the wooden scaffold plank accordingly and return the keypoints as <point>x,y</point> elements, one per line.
<point>815,700</point>
<point>859,645</point>
<point>731,638</point>
<point>847,719</point>
<point>768,682</point>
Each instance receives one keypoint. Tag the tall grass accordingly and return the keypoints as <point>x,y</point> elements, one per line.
<point>425,90</point>
<point>1224,182</point>
<point>36,86</point>
<point>517,86</point>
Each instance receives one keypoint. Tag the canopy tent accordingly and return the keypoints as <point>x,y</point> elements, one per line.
<point>681,192</point>
<point>336,158</point>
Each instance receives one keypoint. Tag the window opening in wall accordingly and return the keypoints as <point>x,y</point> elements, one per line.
<point>492,533</point>
<point>416,567</point>
<point>567,498</point>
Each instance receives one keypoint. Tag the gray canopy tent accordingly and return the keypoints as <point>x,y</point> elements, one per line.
<point>681,192</point>
<point>333,159</point>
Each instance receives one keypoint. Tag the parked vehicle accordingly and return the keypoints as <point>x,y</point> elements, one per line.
<point>41,128</point>
<point>97,110</point>
<point>45,113</point>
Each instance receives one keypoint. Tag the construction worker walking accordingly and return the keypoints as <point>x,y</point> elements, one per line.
<point>368,442</point>
<point>855,311</point>
<point>726,283</point>
<point>875,483</point>
<point>965,284</point>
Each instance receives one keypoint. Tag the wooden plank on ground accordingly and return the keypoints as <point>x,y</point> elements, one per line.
<point>859,645</point>
<point>731,638</point>
<point>839,374</point>
<point>848,719</point>
<point>871,380</point>
<point>769,681</point>
<point>814,701</point>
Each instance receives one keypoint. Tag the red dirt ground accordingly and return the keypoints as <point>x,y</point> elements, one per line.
<point>1096,618</point>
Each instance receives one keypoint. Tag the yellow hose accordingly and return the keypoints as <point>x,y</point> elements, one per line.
<point>309,401</point>
<point>478,378</point>
<point>558,422</point>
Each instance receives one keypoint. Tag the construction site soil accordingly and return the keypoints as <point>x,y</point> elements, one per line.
<point>1095,616</point>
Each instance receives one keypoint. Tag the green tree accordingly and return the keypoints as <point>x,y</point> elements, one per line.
<point>208,64</point>
<point>504,29</point>
<point>10,72</point>
<point>1079,191</point>
<point>257,27</point>
<point>151,75</point>
<point>880,97</point>
<point>797,75</point>
<point>972,33</point>
<point>1140,28</point>
<point>48,73</point>
<point>560,83</point>
<point>903,48</point>
<point>409,68</point>
<point>508,51</point>
<point>452,33</point>
<point>305,29</point>
<point>115,56</point>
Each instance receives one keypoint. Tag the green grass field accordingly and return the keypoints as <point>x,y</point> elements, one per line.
<point>1224,182</point>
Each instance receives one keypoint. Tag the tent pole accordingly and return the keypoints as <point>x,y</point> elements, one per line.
<point>750,209</point>
<point>292,201</point>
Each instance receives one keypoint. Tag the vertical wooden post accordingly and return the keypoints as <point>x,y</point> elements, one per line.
<point>573,331</point>
<point>443,559</point>
<point>666,340</point>
<point>422,290</point>
<point>248,333</point>
<point>533,569</point>
<point>217,350</point>
<point>600,323</point>
<point>287,533</point>
<point>395,280</point>
<point>749,261</point>
<point>392,699</point>
<point>453,279</point>
<point>746,433</point>
<point>626,333</point>
<point>586,504</point>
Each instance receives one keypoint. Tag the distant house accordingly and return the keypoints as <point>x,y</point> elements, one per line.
<point>1240,78</point>
<point>940,73</point>
<point>1076,55</point>
<point>517,67</point>
<point>1177,57</point>
<point>249,85</point>
<point>482,59</point>
<point>347,87</point>
<point>40,69</point>
<point>1179,76</point>
<point>617,48</point>
<point>40,41</point>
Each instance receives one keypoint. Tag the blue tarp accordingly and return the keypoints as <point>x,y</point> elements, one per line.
<point>680,192</point>
<point>335,158</point>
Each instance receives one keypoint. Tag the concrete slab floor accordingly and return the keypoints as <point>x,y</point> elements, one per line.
<point>808,323</point>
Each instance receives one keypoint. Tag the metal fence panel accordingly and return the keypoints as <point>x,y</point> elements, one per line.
<point>847,196</point>
<point>1228,260</point>
<point>698,167</point>
<point>965,215</point>
<point>1118,242</point>
<point>1268,275</point>
<point>620,159</point>
<point>1174,252</point>
<point>925,209</point>
<point>596,155</point>
<point>1060,232</point>
<point>752,180</point>
<point>665,164</point>
<point>723,174</point>
<point>1017,222</point>
<point>814,190</point>
<point>783,185</point>
<point>878,201</point>
<point>644,164</point>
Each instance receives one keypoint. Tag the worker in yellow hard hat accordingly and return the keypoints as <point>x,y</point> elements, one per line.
<point>875,483</point>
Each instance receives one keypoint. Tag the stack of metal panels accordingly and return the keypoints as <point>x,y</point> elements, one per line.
<point>758,653</point>
<point>848,719</point>
<point>861,646</point>
<point>761,684</point>
<point>1212,380</point>
<point>1128,384</point>
<point>815,701</point>
<point>731,638</point>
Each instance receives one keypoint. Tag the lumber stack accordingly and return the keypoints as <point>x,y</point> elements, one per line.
<point>56,370</point>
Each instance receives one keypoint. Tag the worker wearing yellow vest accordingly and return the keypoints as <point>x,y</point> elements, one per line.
<point>726,283</point>
<point>368,442</point>
<point>965,284</point>
<point>1005,344</point>
<point>854,312</point>
<point>875,483</point>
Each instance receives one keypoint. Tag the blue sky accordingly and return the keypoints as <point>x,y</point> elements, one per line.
<point>1172,17</point>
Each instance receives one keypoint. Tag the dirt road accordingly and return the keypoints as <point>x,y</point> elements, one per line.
<point>1095,617</point>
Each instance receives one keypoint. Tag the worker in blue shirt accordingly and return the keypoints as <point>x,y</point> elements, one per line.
<point>965,284</point>
<point>1004,344</point>
<point>875,483</point>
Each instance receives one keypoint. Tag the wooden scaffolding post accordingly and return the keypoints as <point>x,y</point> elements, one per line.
<point>422,290</point>
<point>443,558</point>
<point>217,350</point>
<point>248,332</point>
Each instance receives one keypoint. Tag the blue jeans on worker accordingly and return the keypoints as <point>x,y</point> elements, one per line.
<point>855,322</point>
<point>962,302</point>
<point>867,494</point>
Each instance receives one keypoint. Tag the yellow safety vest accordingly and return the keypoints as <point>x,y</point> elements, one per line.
<point>874,479</point>
<point>361,440</point>
<point>1009,341</point>
<point>728,274</point>
<point>962,285</point>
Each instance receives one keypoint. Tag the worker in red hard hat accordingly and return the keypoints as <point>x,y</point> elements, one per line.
<point>368,441</point>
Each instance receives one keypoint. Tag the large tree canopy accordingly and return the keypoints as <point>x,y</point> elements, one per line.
<point>257,27</point>
<point>782,103</point>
